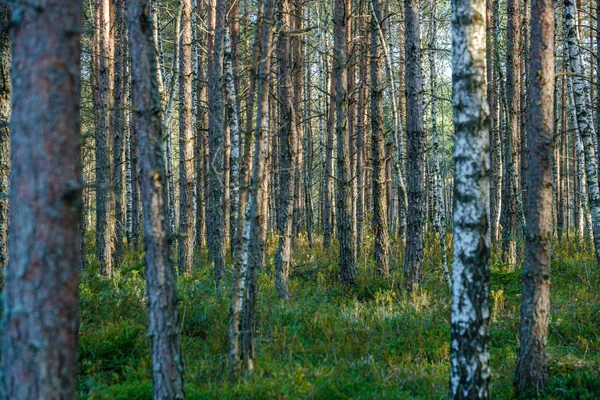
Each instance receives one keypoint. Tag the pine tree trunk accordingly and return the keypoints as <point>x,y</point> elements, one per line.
<point>41,298</point>
<point>379,222</point>
<point>167,360</point>
<point>185,240</point>
<point>416,146</point>
<point>119,125</point>
<point>531,372</point>
<point>346,239</point>
<point>287,147</point>
<point>216,142</point>
<point>104,188</point>
<point>469,349</point>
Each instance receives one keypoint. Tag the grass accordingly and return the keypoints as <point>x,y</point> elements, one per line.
<point>370,341</point>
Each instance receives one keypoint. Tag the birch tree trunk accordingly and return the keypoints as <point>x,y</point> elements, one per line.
<point>5,96</point>
<point>251,255</point>
<point>379,223</point>
<point>235,136</point>
<point>328,168</point>
<point>469,349</point>
<point>416,146</point>
<point>583,106</point>
<point>531,374</point>
<point>440,217</point>
<point>167,360</point>
<point>41,298</point>
<point>287,141</point>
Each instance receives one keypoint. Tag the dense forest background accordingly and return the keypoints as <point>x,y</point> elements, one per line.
<point>300,199</point>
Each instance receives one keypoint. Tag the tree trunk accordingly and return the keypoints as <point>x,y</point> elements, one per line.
<point>347,261</point>
<point>416,146</point>
<point>104,189</point>
<point>583,105</point>
<point>328,168</point>
<point>167,360</point>
<point>251,254</point>
<point>41,299</point>
<point>216,142</point>
<point>119,125</point>
<point>469,349</point>
<point>185,240</point>
<point>380,222</point>
<point>440,217</point>
<point>235,136</point>
<point>287,147</point>
<point>532,373</point>
<point>5,95</point>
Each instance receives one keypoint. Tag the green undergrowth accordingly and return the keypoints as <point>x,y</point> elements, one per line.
<point>370,341</point>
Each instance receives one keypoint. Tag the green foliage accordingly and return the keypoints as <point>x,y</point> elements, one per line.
<point>370,341</point>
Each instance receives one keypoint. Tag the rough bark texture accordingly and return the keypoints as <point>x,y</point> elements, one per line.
<point>469,352</point>
<point>345,229</point>
<point>104,189</point>
<point>513,85</point>
<point>583,105</point>
<point>287,139</point>
<point>167,361</point>
<point>5,93</point>
<point>216,140</point>
<point>379,222</point>
<point>41,299</point>
<point>416,146</point>
<point>119,126</point>
<point>532,373</point>
<point>186,144</point>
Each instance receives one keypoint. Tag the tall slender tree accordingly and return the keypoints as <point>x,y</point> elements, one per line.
<point>345,229</point>
<point>531,373</point>
<point>380,223</point>
<point>41,299</point>
<point>469,348</point>
<point>287,141</point>
<point>216,143</point>
<point>186,143</point>
<point>104,181</point>
<point>5,94</point>
<point>416,145</point>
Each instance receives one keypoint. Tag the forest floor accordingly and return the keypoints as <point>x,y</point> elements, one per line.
<point>370,341</point>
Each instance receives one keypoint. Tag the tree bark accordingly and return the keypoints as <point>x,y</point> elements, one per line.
<point>469,349</point>
<point>379,222</point>
<point>251,254</point>
<point>5,95</point>
<point>531,374</point>
<point>185,240</point>
<point>416,146</point>
<point>583,105</point>
<point>167,360</point>
<point>104,188</point>
<point>287,148</point>
<point>347,261</point>
<point>216,142</point>
<point>41,299</point>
